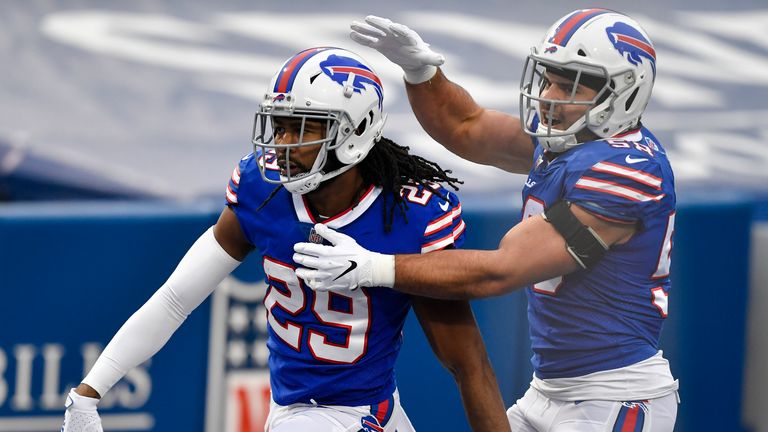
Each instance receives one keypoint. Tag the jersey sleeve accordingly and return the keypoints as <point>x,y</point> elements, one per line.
<point>445,227</point>
<point>622,188</point>
<point>243,193</point>
<point>233,187</point>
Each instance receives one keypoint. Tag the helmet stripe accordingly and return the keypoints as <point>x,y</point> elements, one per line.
<point>572,23</point>
<point>637,43</point>
<point>284,82</point>
<point>358,71</point>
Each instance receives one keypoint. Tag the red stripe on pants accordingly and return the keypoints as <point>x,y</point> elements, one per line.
<point>630,421</point>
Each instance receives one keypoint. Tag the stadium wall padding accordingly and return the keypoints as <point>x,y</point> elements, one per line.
<point>71,274</point>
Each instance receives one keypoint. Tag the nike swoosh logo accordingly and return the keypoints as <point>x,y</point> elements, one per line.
<point>445,204</point>
<point>631,160</point>
<point>352,266</point>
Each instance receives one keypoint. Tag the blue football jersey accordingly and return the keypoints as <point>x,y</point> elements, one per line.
<point>611,315</point>
<point>335,348</point>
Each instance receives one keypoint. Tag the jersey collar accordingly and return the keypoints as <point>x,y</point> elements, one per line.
<point>630,135</point>
<point>344,218</point>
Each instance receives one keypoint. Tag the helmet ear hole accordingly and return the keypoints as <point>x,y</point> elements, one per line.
<point>631,99</point>
<point>361,128</point>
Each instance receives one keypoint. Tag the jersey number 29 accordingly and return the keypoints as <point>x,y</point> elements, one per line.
<point>285,292</point>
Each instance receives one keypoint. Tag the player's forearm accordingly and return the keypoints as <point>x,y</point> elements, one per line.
<point>454,274</point>
<point>471,369</point>
<point>455,339</point>
<point>465,356</point>
<point>449,115</point>
<point>530,252</point>
<point>443,108</point>
<point>145,332</point>
<point>482,400</point>
<point>204,266</point>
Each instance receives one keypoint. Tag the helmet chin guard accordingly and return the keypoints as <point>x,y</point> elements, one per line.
<point>302,183</point>
<point>329,85</point>
<point>555,140</point>
<point>602,49</point>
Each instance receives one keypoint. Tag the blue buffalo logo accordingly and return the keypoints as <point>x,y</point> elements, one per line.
<point>550,49</point>
<point>278,98</point>
<point>631,44</point>
<point>339,68</point>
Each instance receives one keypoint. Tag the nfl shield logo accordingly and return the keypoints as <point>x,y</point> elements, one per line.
<point>314,237</point>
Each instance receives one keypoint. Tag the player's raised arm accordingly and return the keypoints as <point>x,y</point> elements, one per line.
<point>210,259</point>
<point>444,109</point>
<point>455,339</point>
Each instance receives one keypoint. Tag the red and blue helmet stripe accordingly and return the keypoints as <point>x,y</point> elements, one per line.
<point>291,68</point>
<point>572,23</point>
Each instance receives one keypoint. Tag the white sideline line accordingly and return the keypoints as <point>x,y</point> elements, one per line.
<point>123,422</point>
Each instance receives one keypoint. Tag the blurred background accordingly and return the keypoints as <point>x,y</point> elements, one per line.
<point>120,124</point>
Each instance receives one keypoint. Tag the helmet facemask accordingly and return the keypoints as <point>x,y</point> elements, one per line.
<point>540,115</point>
<point>299,179</point>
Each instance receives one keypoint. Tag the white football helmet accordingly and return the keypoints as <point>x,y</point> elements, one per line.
<point>606,50</point>
<point>328,84</point>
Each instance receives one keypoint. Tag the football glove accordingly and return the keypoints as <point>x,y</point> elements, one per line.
<point>399,44</point>
<point>344,266</point>
<point>81,414</point>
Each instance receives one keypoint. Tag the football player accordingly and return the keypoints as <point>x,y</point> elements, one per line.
<point>320,158</point>
<point>594,245</point>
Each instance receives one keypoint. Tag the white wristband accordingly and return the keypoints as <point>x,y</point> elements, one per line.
<point>383,271</point>
<point>420,75</point>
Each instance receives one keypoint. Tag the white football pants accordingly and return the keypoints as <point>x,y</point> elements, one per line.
<point>387,416</point>
<point>534,412</point>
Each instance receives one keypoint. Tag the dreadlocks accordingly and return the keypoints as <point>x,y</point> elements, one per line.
<point>390,166</point>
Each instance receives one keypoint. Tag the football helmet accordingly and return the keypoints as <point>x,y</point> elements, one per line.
<point>603,49</point>
<point>331,85</point>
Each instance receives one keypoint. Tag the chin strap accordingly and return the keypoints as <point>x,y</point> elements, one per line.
<point>556,144</point>
<point>304,184</point>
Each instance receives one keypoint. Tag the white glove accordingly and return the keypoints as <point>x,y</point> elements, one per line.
<point>344,266</point>
<point>81,414</point>
<point>400,45</point>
